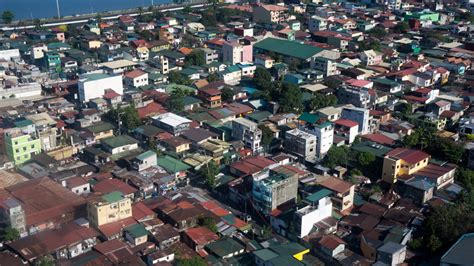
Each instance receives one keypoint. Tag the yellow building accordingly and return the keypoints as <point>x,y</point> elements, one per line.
<point>403,161</point>
<point>109,208</point>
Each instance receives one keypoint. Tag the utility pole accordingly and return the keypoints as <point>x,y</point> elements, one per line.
<point>57,7</point>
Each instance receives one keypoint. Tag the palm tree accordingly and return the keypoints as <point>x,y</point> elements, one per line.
<point>37,23</point>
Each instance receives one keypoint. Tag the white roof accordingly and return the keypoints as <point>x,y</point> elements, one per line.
<point>118,64</point>
<point>314,87</point>
<point>171,119</point>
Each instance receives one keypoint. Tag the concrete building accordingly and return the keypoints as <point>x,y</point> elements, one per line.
<point>346,129</point>
<point>359,115</point>
<point>234,52</point>
<point>210,55</point>
<point>321,128</point>
<point>118,144</point>
<point>326,65</point>
<point>13,215</point>
<point>144,161</point>
<point>271,189</point>
<point>270,14</point>
<point>403,161</point>
<point>316,23</point>
<point>343,192</point>
<point>248,132</point>
<point>172,123</point>
<point>20,146</point>
<point>301,144</point>
<point>92,86</point>
<point>109,208</point>
<point>391,253</point>
<point>319,207</point>
<point>136,78</point>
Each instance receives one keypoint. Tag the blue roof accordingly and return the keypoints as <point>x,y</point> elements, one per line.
<point>318,195</point>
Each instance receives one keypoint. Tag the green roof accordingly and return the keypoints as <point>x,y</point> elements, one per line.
<point>23,123</point>
<point>148,130</point>
<point>309,118</point>
<point>265,254</point>
<point>171,165</point>
<point>371,147</point>
<point>224,247</point>
<point>136,230</point>
<point>188,100</point>
<point>288,48</point>
<point>100,127</point>
<point>259,115</point>
<point>113,196</point>
<point>386,81</point>
<point>145,155</point>
<point>315,197</point>
<point>119,141</point>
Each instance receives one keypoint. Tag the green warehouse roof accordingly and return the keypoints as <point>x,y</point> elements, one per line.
<point>171,165</point>
<point>288,48</point>
<point>318,195</point>
<point>119,141</point>
<point>101,127</point>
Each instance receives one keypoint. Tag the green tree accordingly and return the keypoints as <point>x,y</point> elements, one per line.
<point>262,79</point>
<point>187,9</point>
<point>266,232</point>
<point>196,58</point>
<point>11,234</point>
<point>45,261</point>
<point>7,17</point>
<point>176,77</point>
<point>291,99</point>
<point>213,77</point>
<point>365,158</point>
<point>147,35</point>
<point>267,136</point>
<point>195,261</point>
<point>209,223</point>
<point>336,156</point>
<point>37,24</point>
<point>209,19</point>
<point>209,173</point>
<point>402,27</point>
<point>227,94</point>
<point>175,104</point>
<point>321,100</point>
<point>377,32</point>
<point>128,117</point>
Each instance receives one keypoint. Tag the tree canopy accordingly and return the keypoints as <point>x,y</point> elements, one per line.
<point>195,261</point>
<point>227,94</point>
<point>128,117</point>
<point>196,58</point>
<point>321,100</point>
<point>11,234</point>
<point>209,173</point>
<point>176,77</point>
<point>336,156</point>
<point>209,223</point>
<point>291,99</point>
<point>7,17</point>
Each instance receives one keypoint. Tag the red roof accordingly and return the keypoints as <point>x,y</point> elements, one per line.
<point>151,109</point>
<point>346,123</point>
<point>111,229</point>
<point>141,211</point>
<point>331,242</point>
<point>201,235</point>
<point>379,138</point>
<point>110,94</point>
<point>336,184</point>
<point>408,155</point>
<point>135,74</point>
<point>214,208</point>
<point>111,185</point>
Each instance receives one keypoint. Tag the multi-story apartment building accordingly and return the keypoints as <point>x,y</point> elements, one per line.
<point>326,65</point>
<point>271,189</point>
<point>270,14</point>
<point>237,52</point>
<point>248,132</point>
<point>316,23</point>
<point>319,207</point>
<point>403,161</point>
<point>321,128</point>
<point>92,86</point>
<point>20,146</point>
<point>301,144</point>
<point>109,208</point>
<point>359,115</point>
<point>211,97</point>
<point>172,123</point>
<point>342,191</point>
<point>12,214</point>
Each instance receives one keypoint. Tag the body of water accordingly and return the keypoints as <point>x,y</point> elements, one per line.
<point>27,9</point>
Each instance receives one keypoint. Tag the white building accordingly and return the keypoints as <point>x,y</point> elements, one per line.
<point>316,23</point>
<point>248,132</point>
<point>319,208</point>
<point>301,144</point>
<point>94,85</point>
<point>38,50</point>
<point>172,123</point>
<point>8,54</point>
<point>136,78</point>
<point>359,115</point>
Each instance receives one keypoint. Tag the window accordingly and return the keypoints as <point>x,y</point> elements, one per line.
<point>17,150</point>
